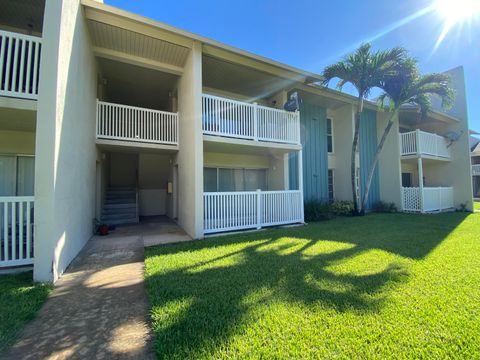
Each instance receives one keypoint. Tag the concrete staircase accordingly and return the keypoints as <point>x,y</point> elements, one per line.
<point>120,206</point>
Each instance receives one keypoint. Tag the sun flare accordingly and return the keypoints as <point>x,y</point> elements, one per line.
<point>454,11</point>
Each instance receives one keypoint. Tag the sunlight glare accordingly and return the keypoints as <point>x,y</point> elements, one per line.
<point>455,12</point>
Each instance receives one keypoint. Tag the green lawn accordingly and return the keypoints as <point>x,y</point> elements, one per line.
<point>20,299</point>
<point>476,205</point>
<point>381,286</point>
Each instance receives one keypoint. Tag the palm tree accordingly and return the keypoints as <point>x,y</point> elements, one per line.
<point>365,70</point>
<point>407,86</point>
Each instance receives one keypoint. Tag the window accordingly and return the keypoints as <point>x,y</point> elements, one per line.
<point>17,175</point>
<point>331,191</point>
<point>329,135</point>
<point>406,179</point>
<point>230,179</point>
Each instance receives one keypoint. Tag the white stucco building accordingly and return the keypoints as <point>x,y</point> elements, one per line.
<point>109,116</point>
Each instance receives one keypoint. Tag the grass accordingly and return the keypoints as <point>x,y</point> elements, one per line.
<point>476,205</point>
<point>381,286</point>
<point>20,299</point>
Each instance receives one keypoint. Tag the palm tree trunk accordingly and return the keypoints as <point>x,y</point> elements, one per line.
<point>373,165</point>
<point>353,163</point>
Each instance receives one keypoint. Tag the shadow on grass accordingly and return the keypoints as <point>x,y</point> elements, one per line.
<point>20,299</point>
<point>198,307</point>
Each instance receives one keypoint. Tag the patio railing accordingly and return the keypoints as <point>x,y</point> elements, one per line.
<point>227,211</point>
<point>431,199</point>
<point>19,64</point>
<point>16,230</point>
<point>242,120</point>
<point>136,124</point>
<point>423,143</point>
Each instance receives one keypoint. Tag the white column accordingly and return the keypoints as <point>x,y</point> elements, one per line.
<point>420,182</point>
<point>300,178</point>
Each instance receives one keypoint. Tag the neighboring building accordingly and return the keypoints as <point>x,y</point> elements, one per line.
<point>475,156</point>
<point>108,115</point>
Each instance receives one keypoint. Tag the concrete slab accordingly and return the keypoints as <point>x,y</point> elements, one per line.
<point>98,309</point>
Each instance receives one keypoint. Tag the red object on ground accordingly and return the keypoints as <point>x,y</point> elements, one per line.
<point>103,230</point>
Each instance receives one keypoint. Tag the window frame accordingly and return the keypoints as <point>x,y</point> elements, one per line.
<point>217,168</point>
<point>331,135</point>
<point>15,175</point>
<point>333,184</point>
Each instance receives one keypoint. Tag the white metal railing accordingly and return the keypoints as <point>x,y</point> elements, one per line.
<point>431,199</point>
<point>227,211</point>
<point>19,64</point>
<point>131,123</point>
<point>16,230</point>
<point>476,169</point>
<point>238,119</point>
<point>419,142</point>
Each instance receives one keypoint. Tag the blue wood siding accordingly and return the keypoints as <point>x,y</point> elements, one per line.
<point>368,146</point>
<point>313,122</point>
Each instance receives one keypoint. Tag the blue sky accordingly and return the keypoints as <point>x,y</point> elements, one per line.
<point>312,34</point>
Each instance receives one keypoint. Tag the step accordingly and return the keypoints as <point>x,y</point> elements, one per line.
<point>128,210</point>
<point>121,221</point>
<point>120,193</point>
<point>122,205</point>
<point>119,216</point>
<point>120,201</point>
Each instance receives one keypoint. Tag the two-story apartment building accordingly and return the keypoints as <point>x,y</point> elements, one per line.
<point>108,116</point>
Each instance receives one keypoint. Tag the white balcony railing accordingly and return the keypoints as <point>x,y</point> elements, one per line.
<point>16,230</point>
<point>423,143</point>
<point>19,65</point>
<point>130,123</point>
<point>227,211</point>
<point>476,169</point>
<point>237,119</point>
<point>432,199</point>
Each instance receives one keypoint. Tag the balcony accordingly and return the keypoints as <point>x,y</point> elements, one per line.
<point>241,120</point>
<point>476,170</point>
<point>427,199</point>
<point>423,144</point>
<point>16,230</point>
<point>136,125</point>
<point>238,210</point>
<point>19,65</point>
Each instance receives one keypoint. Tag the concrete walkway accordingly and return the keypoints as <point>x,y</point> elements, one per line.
<point>98,310</point>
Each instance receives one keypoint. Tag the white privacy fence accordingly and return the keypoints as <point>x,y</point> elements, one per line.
<point>227,211</point>
<point>19,65</point>
<point>423,143</point>
<point>16,230</point>
<point>131,123</point>
<point>238,119</point>
<point>431,199</point>
<point>476,169</point>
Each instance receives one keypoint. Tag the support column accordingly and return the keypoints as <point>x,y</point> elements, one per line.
<point>420,182</point>
<point>300,179</point>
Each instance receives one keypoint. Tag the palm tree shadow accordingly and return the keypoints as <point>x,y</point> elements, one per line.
<point>198,308</point>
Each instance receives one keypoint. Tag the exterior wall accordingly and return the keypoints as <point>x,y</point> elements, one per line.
<point>190,156</point>
<point>389,163</point>
<point>17,142</point>
<point>65,144</point>
<point>123,169</point>
<point>457,172</point>
<point>368,146</point>
<point>343,121</point>
<point>153,177</point>
<point>274,164</point>
<point>315,158</point>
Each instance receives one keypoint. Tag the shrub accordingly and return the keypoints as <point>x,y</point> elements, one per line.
<point>317,211</point>
<point>342,208</point>
<point>385,207</point>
